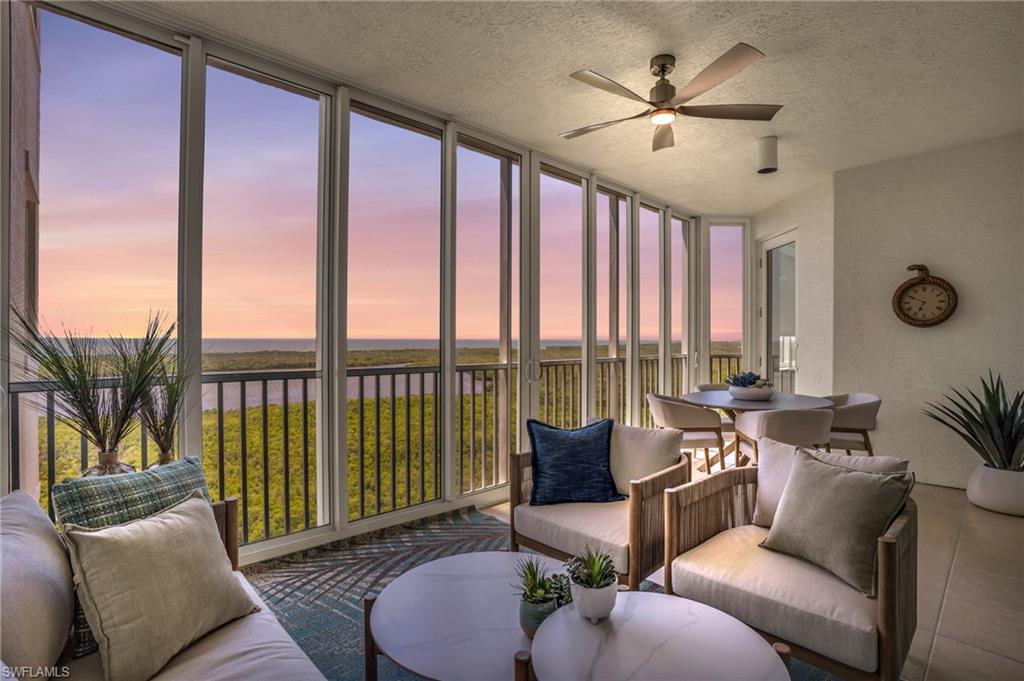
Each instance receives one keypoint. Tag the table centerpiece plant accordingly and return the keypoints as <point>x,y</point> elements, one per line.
<point>594,584</point>
<point>538,596</point>
<point>992,424</point>
<point>97,384</point>
<point>748,385</point>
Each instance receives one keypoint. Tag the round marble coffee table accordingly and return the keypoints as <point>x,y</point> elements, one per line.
<point>653,637</point>
<point>452,619</point>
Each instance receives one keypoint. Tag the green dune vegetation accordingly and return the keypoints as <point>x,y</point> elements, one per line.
<point>399,462</point>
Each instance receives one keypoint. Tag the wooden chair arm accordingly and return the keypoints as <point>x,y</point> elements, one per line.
<point>647,517</point>
<point>225,512</point>
<point>697,511</point>
<point>897,591</point>
<point>519,485</point>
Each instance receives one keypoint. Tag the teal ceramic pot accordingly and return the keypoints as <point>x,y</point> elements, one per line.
<point>532,614</point>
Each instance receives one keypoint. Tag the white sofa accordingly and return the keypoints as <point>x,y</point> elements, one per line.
<point>36,589</point>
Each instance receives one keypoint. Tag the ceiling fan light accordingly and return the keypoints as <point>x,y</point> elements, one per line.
<point>663,116</point>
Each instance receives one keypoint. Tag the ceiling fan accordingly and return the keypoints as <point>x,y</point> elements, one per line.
<point>665,103</point>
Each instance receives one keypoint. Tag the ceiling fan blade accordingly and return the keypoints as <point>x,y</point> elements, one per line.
<point>735,112</point>
<point>736,58</point>
<point>595,79</point>
<point>663,137</point>
<point>598,126</point>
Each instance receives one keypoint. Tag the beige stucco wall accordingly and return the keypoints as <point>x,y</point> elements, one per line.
<point>960,211</point>
<point>810,213</point>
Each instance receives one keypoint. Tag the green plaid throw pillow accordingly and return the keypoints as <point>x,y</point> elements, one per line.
<point>114,499</point>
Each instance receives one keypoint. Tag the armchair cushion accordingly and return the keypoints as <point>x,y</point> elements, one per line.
<point>833,517</point>
<point>781,595</point>
<point>639,452</point>
<point>571,528</point>
<point>571,465</point>
<point>775,460</point>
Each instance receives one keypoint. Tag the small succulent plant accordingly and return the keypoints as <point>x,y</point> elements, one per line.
<point>560,586</point>
<point>747,379</point>
<point>534,584</point>
<point>592,569</point>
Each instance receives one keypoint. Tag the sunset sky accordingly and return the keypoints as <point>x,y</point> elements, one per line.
<point>110,110</point>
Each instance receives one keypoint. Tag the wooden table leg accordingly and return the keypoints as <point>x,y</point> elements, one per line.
<point>522,666</point>
<point>369,647</point>
<point>784,652</point>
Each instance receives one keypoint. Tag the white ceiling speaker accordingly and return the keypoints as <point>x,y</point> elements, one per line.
<point>767,155</point>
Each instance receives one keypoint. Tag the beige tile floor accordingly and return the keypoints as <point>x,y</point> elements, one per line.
<point>970,590</point>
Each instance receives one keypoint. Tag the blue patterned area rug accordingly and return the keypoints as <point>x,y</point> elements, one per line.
<point>317,594</point>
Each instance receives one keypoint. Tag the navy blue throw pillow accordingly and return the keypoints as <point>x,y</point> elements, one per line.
<point>571,465</point>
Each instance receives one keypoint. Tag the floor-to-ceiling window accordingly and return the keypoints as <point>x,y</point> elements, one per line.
<point>487,228</point>
<point>394,279</point>
<point>648,291</point>
<point>725,246</point>
<point>679,302</point>
<point>94,209</point>
<point>261,376</point>
<point>561,297</point>
<point>611,319</point>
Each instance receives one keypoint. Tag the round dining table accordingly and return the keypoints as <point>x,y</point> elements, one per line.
<point>721,399</point>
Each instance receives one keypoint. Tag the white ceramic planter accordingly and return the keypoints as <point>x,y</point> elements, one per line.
<point>997,490</point>
<point>594,604</point>
<point>756,394</point>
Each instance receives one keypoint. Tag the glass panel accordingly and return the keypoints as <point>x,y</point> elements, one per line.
<point>394,280</point>
<point>612,222</point>
<point>487,188</point>
<point>93,211</point>
<point>726,293</point>
<point>649,279</point>
<point>679,302</point>
<point>260,223</point>
<point>782,316</point>
<point>561,295</point>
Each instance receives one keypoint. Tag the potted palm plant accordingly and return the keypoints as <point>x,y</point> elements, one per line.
<point>992,425</point>
<point>98,383</point>
<point>162,404</point>
<point>538,597</point>
<point>594,584</point>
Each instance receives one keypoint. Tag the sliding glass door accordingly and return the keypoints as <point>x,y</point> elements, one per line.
<point>611,302</point>
<point>725,300</point>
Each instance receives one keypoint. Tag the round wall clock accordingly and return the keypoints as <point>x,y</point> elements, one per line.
<point>924,300</point>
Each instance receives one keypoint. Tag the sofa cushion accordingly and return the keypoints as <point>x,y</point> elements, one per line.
<point>639,452</point>
<point>781,595</point>
<point>151,587</point>
<point>255,648</point>
<point>571,465</point>
<point>35,585</point>
<point>104,500</point>
<point>775,460</point>
<point>833,517</point>
<point>574,527</point>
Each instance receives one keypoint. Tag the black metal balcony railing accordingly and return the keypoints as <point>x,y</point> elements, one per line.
<point>259,432</point>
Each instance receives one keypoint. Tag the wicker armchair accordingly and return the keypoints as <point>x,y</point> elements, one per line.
<point>643,510</point>
<point>697,512</point>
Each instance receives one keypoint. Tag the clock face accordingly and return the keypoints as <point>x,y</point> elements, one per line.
<point>925,302</point>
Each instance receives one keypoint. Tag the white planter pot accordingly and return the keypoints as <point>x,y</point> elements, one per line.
<point>756,394</point>
<point>594,604</point>
<point>997,490</point>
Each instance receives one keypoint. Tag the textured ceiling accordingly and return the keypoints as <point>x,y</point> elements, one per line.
<point>860,82</point>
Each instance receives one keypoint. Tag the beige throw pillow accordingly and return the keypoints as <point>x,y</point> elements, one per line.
<point>639,452</point>
<point>833,516</point>
<point>151,587</point>
<point>775,459</point>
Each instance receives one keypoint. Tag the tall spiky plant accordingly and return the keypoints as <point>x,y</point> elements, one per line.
<point>162,404</point>
<point>992,424</point>
<point>99,384</point>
